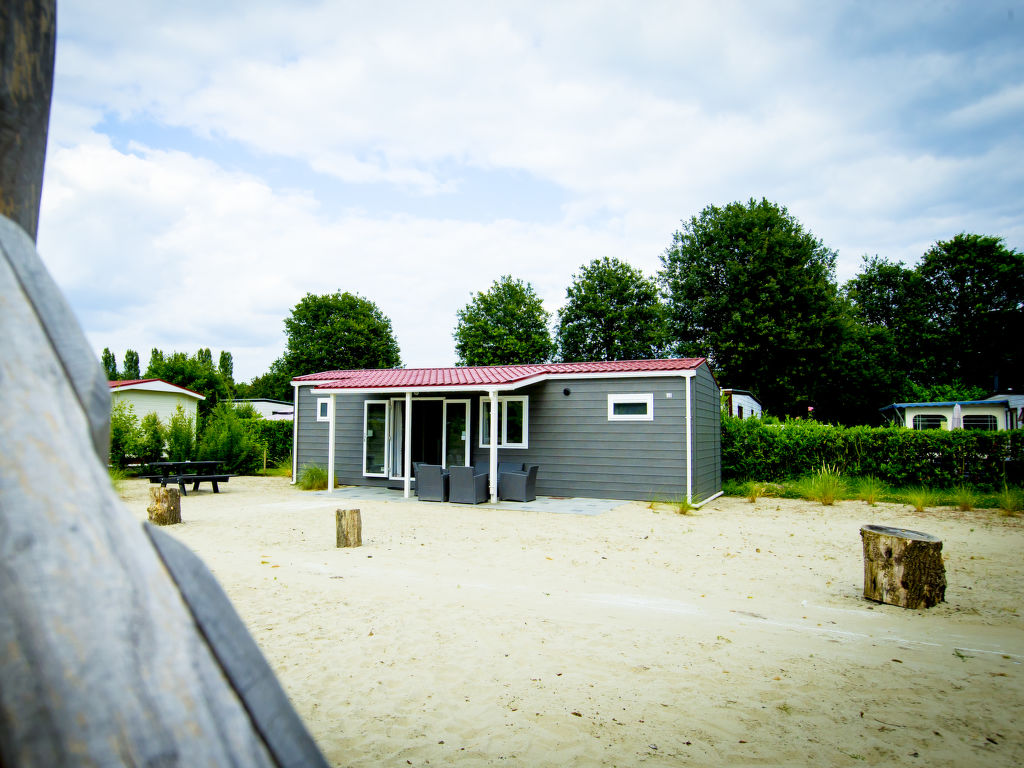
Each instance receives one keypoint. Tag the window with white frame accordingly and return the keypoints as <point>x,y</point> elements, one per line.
<point>323,409</point>
<point>513,422</point>
<point>984,421</point>
<point>928,421</point>
<point>631,407</point>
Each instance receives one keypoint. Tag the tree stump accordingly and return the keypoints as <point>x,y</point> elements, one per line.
<point>349,526</point>
<point>164,506</point>
<point>903,567</point>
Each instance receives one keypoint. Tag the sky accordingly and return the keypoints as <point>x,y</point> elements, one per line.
<point>209,164</point>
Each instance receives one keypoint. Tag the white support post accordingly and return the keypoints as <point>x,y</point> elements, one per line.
<point>493,458</point>
<point>408,443</point>
<point>689,445</point>
<point>330,448</point>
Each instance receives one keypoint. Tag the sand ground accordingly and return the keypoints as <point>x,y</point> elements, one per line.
<point>735,635</point>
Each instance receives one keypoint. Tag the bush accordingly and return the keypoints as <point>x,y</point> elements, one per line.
<point>274,437</point>
<point>896,456</point>
<point>123,433</point>
<point>151,438</point>
<point>226,440</point>
<point>181,436</point>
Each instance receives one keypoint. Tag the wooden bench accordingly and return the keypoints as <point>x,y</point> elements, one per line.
<point>183,480</point>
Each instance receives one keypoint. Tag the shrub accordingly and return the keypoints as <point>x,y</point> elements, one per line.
<point>752,449</point>
<point>313,477</point>
<point>151,438</point>
<point>123,433</point>
<point>181,436</point>
<point>226,440</point>
<point>274,437</point>
<point>117,479</point>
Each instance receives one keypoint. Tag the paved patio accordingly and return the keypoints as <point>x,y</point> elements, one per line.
<point>559,505</point>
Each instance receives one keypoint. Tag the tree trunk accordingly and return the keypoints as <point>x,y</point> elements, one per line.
<point>164,505</point>
<point>349,526</point>
<point>903,567</point>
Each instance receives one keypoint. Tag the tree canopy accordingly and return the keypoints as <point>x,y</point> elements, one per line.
<point>506,325</point>
<point>131,365</point>
<point>612,312</point>
<point>751,290</point>
<point>196,373</point>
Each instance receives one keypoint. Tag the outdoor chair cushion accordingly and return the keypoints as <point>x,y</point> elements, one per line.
<point>431,482</point>
<point>467,485</point>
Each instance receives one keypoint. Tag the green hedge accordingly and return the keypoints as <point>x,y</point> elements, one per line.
<point>754,450</point>
<point>274,436</point>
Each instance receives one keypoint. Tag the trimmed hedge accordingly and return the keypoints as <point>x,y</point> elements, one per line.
<point>754,450</point>
<point>274,436</point>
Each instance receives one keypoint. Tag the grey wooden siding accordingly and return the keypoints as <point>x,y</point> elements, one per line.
<point>707,443</point>
<point>311,440</point>
<point>582,453</point>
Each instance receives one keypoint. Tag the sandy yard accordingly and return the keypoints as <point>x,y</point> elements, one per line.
<point>736,635</point>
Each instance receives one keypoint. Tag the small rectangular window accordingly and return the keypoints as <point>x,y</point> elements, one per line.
<point>323,409</point>
<point>631,407</point>
<point>928,422</point>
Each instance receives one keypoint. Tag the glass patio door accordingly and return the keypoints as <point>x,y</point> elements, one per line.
<point>397,439</point>
<point>456,433</point>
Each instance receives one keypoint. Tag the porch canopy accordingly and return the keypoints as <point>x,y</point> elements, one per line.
<point>487,381</point>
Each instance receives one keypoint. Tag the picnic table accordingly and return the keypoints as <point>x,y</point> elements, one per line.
<point>183,472</point>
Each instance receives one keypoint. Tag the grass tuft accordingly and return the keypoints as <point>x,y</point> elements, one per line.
<point>965,498</point>
<point>117,480</point>
<point>920,498</point>
<point>827,485</point>
<point>1010,500</point>
<point>870,490</point>
<point>313,477</point>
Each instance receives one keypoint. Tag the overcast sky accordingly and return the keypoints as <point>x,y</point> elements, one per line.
<point>211,163</point>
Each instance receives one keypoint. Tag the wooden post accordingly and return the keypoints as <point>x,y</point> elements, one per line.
<point>349,526</point>
<point>903,567</point>
<point>164,505</point>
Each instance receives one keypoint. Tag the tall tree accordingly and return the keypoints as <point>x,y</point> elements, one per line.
<point>506,325</point>
<point>754,292</point>
<point>156,361</point>
<point>226,366</point>
<point>109,363</point>
<point>131,365</point>
<point>976,299</point>
<point>196,373</point>
<point>333,332</point>
<point>612,312</point>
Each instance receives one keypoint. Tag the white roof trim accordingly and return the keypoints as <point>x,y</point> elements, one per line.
<point>157,386</point>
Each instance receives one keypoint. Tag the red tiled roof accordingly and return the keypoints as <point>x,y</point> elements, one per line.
<point>482,376</point>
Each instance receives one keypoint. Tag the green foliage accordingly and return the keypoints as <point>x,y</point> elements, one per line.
<point>196,373</point>
<point>118,477</point>
<point>124,426</point>
<point>751,290</point>
<point>225,439</point>
<point>282,468</point>
<point>612,312</point>
<point>312,477</point>
<point>109,363</point>
<point>946,392</point>
<point>151,438</point>
<point>131,365</point>
<point>274,437</point>
<point>507,325</point>
<point>181,436</point>
<point>332,332</point>
<point>247,411</point>
<point>900,457</point>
